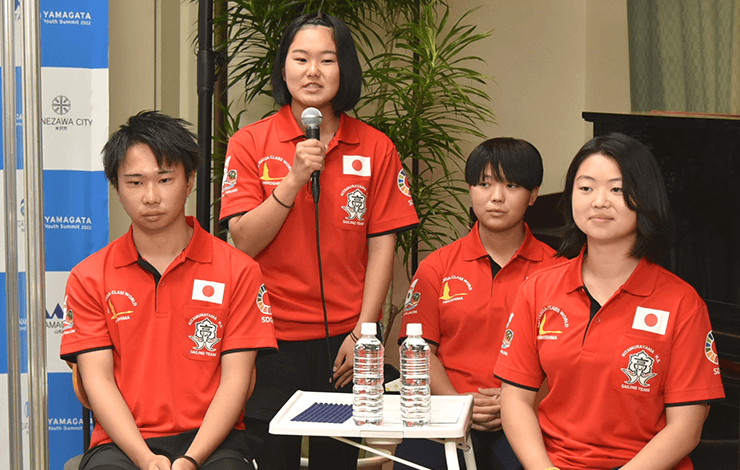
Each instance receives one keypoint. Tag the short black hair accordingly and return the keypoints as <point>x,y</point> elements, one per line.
<point>643,189</point>
<point>350,73</point>
<point>170,141</point>
<point>513,160</point>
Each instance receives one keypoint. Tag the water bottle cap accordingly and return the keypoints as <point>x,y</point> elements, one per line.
<point>413,329</point>
<point>369,329</point>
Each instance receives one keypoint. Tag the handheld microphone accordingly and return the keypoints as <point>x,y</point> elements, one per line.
<point>311,119</point>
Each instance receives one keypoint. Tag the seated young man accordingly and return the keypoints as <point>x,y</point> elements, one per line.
<point>165,322</point>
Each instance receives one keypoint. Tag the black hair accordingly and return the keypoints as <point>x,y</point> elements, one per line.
<point>170,141</point>
<point>643,190</point>
<point>350,73</point>
<point>513,160</point>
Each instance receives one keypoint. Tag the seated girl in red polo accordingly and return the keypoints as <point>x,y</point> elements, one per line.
<point>462,295</point>
<point>626,346</point>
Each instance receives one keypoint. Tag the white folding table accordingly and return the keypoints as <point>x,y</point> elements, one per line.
<point>451,417</point>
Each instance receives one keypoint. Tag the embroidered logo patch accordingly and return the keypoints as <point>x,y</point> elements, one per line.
<point>261,301</point>
<point>550,329</point>
<point>117,311</point>
<point>272,169</point>
<point>542,327</point>
<point>710,349</point>
<point>229,180</point>
<point>205,336</point>
<point>114,314</point>
<point>454,288</point>
<point>412,298</point>
<point>639,369</point>
<point>508,336</point>
<point>69,320</point>
<point>446,293</point>
<point>356,206</point>
<point>403,183</point>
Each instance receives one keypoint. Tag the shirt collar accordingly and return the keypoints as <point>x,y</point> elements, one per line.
<point>574,275</point>
<point>347,132</point>
<point>643,279</point>
<point>530,249</point>
<point>288,129</point>
<point>199,248</point>
<point>473,246</point>
<point>640,283</point>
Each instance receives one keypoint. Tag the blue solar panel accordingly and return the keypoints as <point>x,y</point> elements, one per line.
<point>325,413</point>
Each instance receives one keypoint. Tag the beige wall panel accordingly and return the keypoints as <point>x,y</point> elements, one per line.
<point>607,57</point>
<point>536,56</point>
<point>152,66</point>
<point>132,76</point>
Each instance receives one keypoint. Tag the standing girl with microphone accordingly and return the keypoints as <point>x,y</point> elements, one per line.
<point>626,346</point>
<point>271,213</point>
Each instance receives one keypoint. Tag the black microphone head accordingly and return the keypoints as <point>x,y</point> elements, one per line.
<point>311,117</point>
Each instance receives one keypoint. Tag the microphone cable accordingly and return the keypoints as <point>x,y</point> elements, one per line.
<point>311,118</point>
<point>315,191</point>
<point>321,289</point>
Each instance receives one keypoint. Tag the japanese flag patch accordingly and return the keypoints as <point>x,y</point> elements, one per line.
<point>208,291</point>
<point>648,319</point>
<point>356,165</point>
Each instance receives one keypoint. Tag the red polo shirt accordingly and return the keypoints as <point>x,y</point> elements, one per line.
<point>463,309</point>
<point>364,193</point>
<point>167,339</point>
<point>648,347</point>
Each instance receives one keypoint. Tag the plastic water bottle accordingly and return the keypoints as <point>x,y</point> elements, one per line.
<point>416,404</point>
<point>367,391</point>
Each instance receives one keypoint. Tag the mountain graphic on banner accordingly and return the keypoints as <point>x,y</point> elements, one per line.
<point>58,313</point>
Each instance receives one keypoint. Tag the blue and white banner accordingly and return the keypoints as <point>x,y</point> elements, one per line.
<point>74,120</point>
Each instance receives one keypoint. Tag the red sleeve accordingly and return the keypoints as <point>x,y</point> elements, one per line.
<point>85,326</point>
<point>421,304</point>
<point>519,360</point>
<point>241,190</point>
<point>693,373</point>
<point>250,323</point>
<point>392,206</point>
